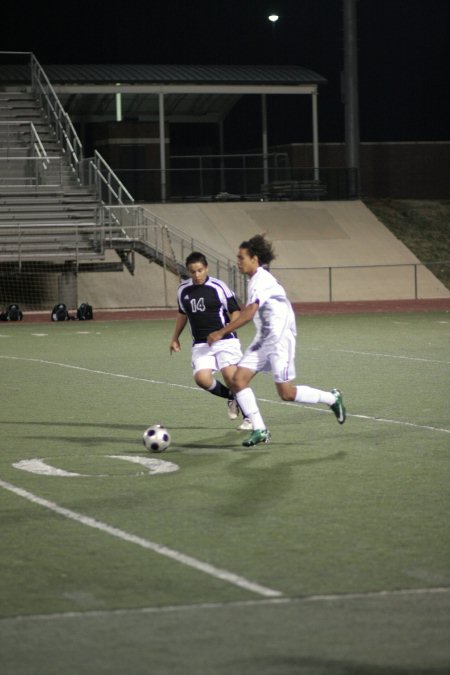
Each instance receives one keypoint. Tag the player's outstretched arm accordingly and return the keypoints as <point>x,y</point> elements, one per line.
<point>179,326</point>
<point>245,316</point>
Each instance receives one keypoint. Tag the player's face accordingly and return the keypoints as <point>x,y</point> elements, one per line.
<point>198,273</point>
<point>246,263</point>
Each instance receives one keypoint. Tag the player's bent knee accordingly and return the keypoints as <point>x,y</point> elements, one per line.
<point>286,392</point>
<point>285,396</point>
<point>238,383</point>
<point>202,381</point>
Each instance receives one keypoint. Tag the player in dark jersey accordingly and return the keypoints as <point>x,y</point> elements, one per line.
<point>208,305</point>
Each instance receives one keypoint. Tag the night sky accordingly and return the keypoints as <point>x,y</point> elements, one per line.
<point>403,50</point>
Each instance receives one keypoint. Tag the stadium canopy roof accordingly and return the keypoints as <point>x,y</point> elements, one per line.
<point>197,93</point>
<point>169,93</point>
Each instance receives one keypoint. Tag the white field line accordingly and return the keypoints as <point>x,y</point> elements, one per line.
<point>98,372</point>
<point>390,356</point>
<point>361,417</point>
<point>344,597</point>
<point>181,558</point>
<point>197,389</point>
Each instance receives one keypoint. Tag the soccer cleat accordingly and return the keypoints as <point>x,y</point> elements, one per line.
<point>245,425</point>
<point>338,407</point>
<point>258,436</point>
<point>233,408</point>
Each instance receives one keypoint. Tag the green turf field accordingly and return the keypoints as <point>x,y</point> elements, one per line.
<point>326,551</point>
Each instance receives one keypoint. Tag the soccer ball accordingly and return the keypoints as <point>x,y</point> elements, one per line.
<point>156,438</point>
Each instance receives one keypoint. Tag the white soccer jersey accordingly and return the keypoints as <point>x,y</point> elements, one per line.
<point>275,313</point>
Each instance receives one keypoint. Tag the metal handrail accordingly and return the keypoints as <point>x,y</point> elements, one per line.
<point>100,173</point>
<point>39,148</point>
<point>138,223</point>
<point>37,145</point>
<point>32,172</point>
<point>64,129</point>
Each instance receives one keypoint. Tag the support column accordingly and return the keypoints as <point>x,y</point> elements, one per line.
<point>118,107</point>
<point>351,97</point>
<point>222,152</point>
<point>315,130</point>
<point>265,145</point>
<point>162,147</point>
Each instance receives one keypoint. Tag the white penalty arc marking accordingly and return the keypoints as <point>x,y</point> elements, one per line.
<point>43,469</point>
<point>39,466</point>
<point>198,390</point>
<point>181,558</point>
<point>154,465</point>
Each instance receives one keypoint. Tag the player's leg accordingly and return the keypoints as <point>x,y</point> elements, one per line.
<point>247,401</point>
<point>205,380</point>
<point>203,366</point>
<point>305,394</point>
<point>233,406</point>
<point>228,353</point>
<point>283,369</point>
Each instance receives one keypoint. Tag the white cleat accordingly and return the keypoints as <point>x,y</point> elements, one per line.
<point>233,408</point>
<point>245,425</point>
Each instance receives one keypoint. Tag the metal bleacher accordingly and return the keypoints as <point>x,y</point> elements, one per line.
<point>60,208</point>
<point>46,213</point>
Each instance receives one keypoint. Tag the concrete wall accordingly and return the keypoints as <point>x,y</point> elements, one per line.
<point>150,286</point>
<point>310,238</point>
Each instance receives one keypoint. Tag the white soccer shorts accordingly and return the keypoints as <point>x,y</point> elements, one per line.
<point>219,355</point>
<point>276,358</point>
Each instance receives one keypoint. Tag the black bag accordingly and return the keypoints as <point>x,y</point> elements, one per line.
<point>13,313</point>
<point>59,312</point>
<point>85,312</point>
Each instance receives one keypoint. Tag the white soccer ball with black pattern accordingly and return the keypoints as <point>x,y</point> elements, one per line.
<point>156,438</point>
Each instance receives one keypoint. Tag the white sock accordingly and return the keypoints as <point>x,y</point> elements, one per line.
<point>310,395</point>
<point>247,401</point>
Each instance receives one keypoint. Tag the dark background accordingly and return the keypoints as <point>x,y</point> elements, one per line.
<point>403,52</point>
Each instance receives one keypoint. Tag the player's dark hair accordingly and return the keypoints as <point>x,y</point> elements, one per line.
<point>260,247</point>
<point>196,257</point>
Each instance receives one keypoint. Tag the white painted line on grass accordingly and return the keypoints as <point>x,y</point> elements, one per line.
<point>387,356</point>
<point>154,465</point>
<point>404,424</point>
<point>40,467</point>
<point>361,417</point>
<point>181,558</point>
<point>390,356</point>
<point>94,613</point>
<point>99,372</point>
<point>198,390</point>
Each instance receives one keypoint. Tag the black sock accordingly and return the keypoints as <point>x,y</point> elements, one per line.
<point>221,390</point>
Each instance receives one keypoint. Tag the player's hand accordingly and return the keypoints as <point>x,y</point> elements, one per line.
<point>213,337</point>
<point>175,346</point>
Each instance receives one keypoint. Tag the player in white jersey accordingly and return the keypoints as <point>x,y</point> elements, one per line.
<point>208,304</point>
<point>273,347</point>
